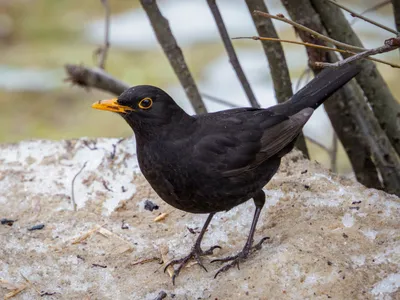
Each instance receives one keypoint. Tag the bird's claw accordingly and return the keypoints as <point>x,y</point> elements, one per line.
<point>196,253</point>
<point>236,259</point>
<point>259,244</point>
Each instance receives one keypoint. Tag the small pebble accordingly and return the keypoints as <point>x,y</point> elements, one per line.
<point>7,222</point>
<point>148,205</point>
<point>36,227</point>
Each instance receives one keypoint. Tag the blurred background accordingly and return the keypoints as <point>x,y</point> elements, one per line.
<point>37,37</point>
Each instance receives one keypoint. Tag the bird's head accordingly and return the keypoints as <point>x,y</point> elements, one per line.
<point>144,106</point>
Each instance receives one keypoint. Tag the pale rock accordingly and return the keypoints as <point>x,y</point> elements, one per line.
<point>319,247</point>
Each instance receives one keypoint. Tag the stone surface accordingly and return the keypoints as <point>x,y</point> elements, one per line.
<point>329,236</point>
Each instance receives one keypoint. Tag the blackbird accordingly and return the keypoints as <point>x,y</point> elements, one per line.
<point>215,161</point>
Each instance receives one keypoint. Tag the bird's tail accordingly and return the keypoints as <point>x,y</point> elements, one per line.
<point>318,90</point>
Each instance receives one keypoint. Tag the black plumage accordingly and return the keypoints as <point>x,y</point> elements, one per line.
<point>213,162</point>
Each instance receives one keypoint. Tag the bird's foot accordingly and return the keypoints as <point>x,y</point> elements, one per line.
<point>240,257</point>
<point>195,253</point>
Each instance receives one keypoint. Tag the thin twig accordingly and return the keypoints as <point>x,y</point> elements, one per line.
<point>307,73</point>
<point>30,284</point>
<point>219,100</point>
<point>396,13</point>
<point>310,31</point>
<point>334,152</point>
<point>278,67</point>
<point>390,45</point>
<point>274,52</point>
<point>372,8</point>
<point>376,120</point>
<point>72,186</point>
<point>259,38</point>
<point>322,146</point>
<point>380,99</point>
<point>231,53</point>
<point>174,54</point>
<point>354,14</point>
<point>331,151</point>
<point>103,51</point>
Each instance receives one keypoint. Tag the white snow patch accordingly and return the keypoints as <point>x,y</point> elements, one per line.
<point>390,284</point>
<point>348,220</point>
<point>369,233</point>
<point>358,260</point>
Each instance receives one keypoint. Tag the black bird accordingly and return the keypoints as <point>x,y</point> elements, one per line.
<point>213,162</point>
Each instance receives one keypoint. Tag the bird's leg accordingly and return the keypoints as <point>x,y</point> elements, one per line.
<point>195,253</point>
<point>259,200</point>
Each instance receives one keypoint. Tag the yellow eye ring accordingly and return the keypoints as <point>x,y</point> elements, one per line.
<point>145,103</point>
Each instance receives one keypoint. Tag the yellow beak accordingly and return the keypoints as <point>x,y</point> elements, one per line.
<point>112,105</point>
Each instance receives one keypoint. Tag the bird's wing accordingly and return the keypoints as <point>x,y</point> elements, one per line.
<point>243,140</point>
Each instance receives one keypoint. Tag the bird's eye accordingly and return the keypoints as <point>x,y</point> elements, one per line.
<point>145,103</point>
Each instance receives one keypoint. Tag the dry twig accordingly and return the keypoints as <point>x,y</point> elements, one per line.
<point>372,8</point>
<point>276,60</point>
<point>162,216</point>
<point>260,38</point>
<point>144,261</point>
<point>31,284</point>
<point>390,45</point>
<point>332,151</point>
<point>231,53</point>
<point>103,50</point>
<point>219,100</point>
<point>306,73</point>
<point>339,108</point>
<point>354,14</point>
<point>380,99</point>
<point>273,51</point>
<point>347,48</point>
<point>396,10</point>
<point>314,33</point>
<point>87,234</point>
<point>73,184</point>
<point>164,255</point>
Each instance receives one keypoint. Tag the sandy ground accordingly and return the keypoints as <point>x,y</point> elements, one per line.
<point>329,236</point>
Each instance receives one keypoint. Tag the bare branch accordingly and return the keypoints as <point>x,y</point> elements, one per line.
<point>310,31</point>
<point>380,98</point>
<point>354,14</point>
<point>274,52</point>
<point>372,8</point>
<point>103,51</point>
<point>259,38</point>
<point>390,45</point>
<point>338,106</point>
<point>94,78</point>
<point>231,53</point>
<point>174,54</point>
<point>99,79</point>
<point>276,59</point>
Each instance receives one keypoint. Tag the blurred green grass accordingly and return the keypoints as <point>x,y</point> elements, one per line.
<point>48,34</point>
